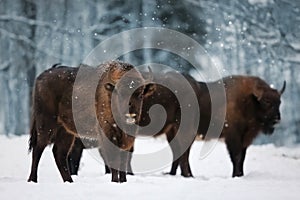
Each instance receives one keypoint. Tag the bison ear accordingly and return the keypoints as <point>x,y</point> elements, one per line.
<point>109,87</point>
<point>258,92</point>
<point>149,90</point>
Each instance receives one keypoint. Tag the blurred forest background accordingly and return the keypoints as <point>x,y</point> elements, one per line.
<point>254,37</point>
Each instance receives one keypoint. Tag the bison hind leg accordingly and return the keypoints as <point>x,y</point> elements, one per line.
<point>62,145</point>
<point>37,152</point>
<point>75,156</point>
<point>38,146</point>
<point>174,167</point>
<point>185,165</point>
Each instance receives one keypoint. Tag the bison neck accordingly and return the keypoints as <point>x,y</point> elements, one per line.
<point>241,110</point>
<point>109,127</point>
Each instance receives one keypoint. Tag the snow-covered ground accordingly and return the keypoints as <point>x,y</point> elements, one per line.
<point>270,173</point>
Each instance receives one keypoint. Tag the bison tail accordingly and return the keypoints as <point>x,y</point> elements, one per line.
<point>33,136</point>
<point>33,132</point>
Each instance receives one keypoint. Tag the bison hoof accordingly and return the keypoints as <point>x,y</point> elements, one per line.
<point>169,173</point>
<point>238,174</point>
<point>122,179</point>
<point>188,175</point>
<point>118,181</point>
<point>69,181</point>
<point>114,181</point>
<point>130,173</point>
<point>32,180</point>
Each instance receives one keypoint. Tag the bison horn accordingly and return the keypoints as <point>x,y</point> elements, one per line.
<point>283,88</point>
<point>150,78</point>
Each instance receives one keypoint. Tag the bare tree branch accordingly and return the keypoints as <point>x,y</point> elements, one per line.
<point>31,22</point>
<point>28,41</point>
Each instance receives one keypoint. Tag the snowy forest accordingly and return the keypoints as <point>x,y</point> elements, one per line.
<point>253,37</point>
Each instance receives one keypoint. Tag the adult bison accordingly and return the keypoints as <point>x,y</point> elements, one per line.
<point>168,87</point>
<point>252,106</point>
<point>53,120</point>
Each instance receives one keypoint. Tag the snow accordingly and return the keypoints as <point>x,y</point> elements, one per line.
<point>254,37</point>
<point>263,2</point>
<point>270,173</point>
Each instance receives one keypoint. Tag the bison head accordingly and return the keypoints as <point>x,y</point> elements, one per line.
<point>268,102</point>
<point>129,89</point>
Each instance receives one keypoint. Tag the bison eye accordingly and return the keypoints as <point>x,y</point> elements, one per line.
<point>110,87</point>
<point>266,103</point>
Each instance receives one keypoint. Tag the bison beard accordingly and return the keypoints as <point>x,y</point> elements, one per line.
<point>52,116</point>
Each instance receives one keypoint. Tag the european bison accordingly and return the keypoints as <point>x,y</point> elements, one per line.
<point>53,115</point>
<point>252,106</point>
<point>179,139</point>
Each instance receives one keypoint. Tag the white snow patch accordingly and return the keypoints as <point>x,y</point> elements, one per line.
<point>270,173</point>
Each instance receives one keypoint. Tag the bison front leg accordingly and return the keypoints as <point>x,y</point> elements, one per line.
<point>107,168</point>
<point>241,160</point>
<point>129,158</point>
<point>119,174</point>
<point>237,159</point>
<point>62,145</point>
<point>237,155</point>
<point>123,166</point>
<point>114,175</point>
<point>115,162</point>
